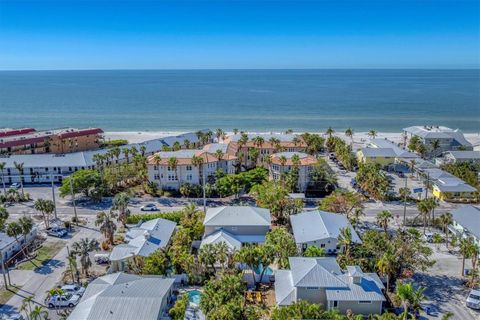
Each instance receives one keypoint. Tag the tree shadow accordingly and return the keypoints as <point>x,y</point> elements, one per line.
<point>48,266</point>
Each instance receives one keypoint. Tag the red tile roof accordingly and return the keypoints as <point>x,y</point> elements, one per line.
<point>15,132</point>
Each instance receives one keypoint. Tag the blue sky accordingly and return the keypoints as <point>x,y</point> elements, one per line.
<point>239,34</point>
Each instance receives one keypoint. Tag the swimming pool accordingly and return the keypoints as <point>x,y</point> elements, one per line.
<point>194,296</point>
<point>268,271</point>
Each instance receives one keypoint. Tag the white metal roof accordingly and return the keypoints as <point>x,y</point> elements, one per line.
<point>468,217</point>
<point>237,216</point>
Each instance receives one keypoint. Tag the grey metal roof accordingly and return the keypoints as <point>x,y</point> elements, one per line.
<point>145,239</point>
<point>325,273</point>
<point>438,132</point>
<point>237,216</point>
<point>387,144</point>
<point>468,217</point>
<point>285,291</point>
<point>465,155</point>
<point>317,225</point>
<point>315,272</point>
<point>379,152</point>
<point>222,236</point>
<point>137,298</point>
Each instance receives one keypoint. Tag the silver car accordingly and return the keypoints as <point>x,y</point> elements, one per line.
<point>65,300</point>
<point>473,299</point>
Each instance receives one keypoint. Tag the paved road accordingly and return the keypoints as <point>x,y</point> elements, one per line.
<point>37,282</point>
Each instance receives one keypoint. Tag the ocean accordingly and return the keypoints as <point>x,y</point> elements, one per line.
<point>254,100</point>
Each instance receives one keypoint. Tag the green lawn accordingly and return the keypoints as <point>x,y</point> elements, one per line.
<point>45,253</point>
<point>5,295</point>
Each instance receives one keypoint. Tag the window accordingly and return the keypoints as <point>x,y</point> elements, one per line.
<point>322,245</point>
<point>189,168</point>
<point>364,302</point>
<point>335,304</point>
<point>312,288</point>
<point>189,177</point>
<point>234,228</point>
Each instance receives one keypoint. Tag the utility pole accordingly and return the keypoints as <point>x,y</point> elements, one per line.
<point>204,193</point>
<point>405,204</point>
<point>53,197</point>
<point>73,200</point>
<point>428,184</point>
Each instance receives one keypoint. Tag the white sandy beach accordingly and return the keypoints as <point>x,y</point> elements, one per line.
<point>360,138</point>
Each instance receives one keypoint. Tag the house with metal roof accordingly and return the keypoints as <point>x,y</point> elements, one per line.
<point>142,240</point>
<point>320,229</point>
<point>446,186</point>
<point>122,296</point>
<point>466,222</point>
<point>438,139</point>
<point>450,157</point>
<point>322,281</point>
<point>384,152</point>
<point>236,225</point>
<point>9,246</point>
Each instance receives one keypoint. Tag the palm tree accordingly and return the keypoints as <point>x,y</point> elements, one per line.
<point>14,229</point>
<point>157,159</point>
<point>107,226</point>
<point>409,296</point>
<point>19,167</point>
<point>383,219</point>
<point>126,152</point>
<point>133,151</point>
<point>435,146</point>
<point>38,313</point>
<point>2,167</point>
<point>235,130</point>
<point>289,131</point>
<point>116,152</point>
<point>3,217</point>
<point>465,251</point>
<point>219,154</point>
<point>219,133</point>
<point>446,219</point>
<point>357,213</point>
<point>387,266</point>
<point>372,134</point>
<point>330,132</point>
<point>46,207</point>
<point>283,160</point>
<point>173,164</point>
<point>349,133</point>
<point>120,203</point>
<point>143,149</point>
<point>424,207</point>
<point>296,160</point>
<point>258,141</point>
<point>345,241</point>
<point>82,249</point>
<point>26,223</point>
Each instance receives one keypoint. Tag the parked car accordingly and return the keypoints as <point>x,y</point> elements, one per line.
<point>473,299</point>
<point>101,258</point>
<point>66,300</point>
<point>353,182</point>
<point>15,185</point>
<point>149,207</point>
<point>57,232</point>
<point>73,289</point>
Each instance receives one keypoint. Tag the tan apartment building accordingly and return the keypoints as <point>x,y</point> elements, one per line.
<point>57,141</point>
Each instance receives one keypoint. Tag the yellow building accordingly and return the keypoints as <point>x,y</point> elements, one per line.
<point>381,156</point>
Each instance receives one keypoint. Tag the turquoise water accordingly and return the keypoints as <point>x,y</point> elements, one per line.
<point>194,296</point>
<point>268,271</point>
<point>385,100</point>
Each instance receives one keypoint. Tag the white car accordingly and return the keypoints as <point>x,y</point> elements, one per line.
<point>66,300</point>
<point>473,299</point>
<point>149,207</point>
<point>15,185</point>
<point>73,289</point>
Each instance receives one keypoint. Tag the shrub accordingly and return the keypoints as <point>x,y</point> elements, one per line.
<point>172,216</point>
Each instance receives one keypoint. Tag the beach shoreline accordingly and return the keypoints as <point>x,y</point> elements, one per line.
<point>360,139</point>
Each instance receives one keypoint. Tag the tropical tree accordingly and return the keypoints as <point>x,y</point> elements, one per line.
<point>340,201</point>
<point>20,169</point>
<point>387,266</point>
<point>409,296</point>
<point>424,207</point>
<point>349,133</point>
<point>446,219</point>
<point>282,244</point>
<point>256,257</point>
<point>14,229</point>
<point>372,134</point>
<point>82,248</point>
<point>143,149</point>
<point>177,312</point>
<point>157,159</point>
<point>345,242</point>
<point>46,207</point>
<point>330,132</point>
<point>156,264</point>
<point>219,154</point>
<point>219,133</point>
<point>120,203</point>
<point>300,309</point>
<point>107,226</point>
<point>466,249</point>
<point>314,251</point>
<point>2,167</point>
<point>3,218</point>
<point>26,224</point>
<point>383,219</point>
<point>126,153</point>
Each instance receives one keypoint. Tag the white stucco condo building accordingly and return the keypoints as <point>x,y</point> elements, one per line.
<point>466,222</point>
<point>322,281</point>
<point>186,171</point>
<point>282,163</point>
